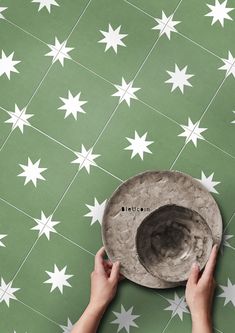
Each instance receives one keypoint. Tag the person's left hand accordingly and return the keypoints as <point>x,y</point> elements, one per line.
<point>104,280</point>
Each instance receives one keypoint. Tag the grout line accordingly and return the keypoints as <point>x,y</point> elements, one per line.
<point>93,72</point>
<point>157,111</point>
<point>38,312</point>
<point>79,18</point>
<point>20,210</point>
<point>229,221</point>
<point>178,155</point>
<point>25,31</point>
<point>138,8</point>
<point>108,172</point>
<point>167,324</point>
<point>199,45</point>
<point>215,146</point>
<point>217,329</point>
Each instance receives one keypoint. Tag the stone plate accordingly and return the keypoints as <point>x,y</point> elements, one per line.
<point>170,239</point>
<point>137,197</point>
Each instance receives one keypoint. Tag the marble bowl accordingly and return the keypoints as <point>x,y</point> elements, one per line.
<point>170,239</point>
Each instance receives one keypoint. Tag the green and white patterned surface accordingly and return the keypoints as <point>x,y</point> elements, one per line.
<point>91,93</point>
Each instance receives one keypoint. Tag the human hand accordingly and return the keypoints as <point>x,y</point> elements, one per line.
<point>104,280</point>
<point>200,289</point>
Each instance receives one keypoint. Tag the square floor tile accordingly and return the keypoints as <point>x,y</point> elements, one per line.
<point>14,231</point>
<point>45,169</point>
<point>58,18</point>
<point>22,65</point>
<point>151,139</point>
<point>23,319</point>
<point>220,118</point>
<point>214,169</point>
<point>134,299</point>
<point>223,306</point>
<point>211,24</point>
<point>81,209</point>
<point>56,300</point>
<point>181,322</point>
<point>76,109</point>
<point>192,74</point>
<point>120,24</point>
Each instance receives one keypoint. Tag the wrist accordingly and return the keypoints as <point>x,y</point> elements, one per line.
<point>201,322</point>
<point>97,307</point>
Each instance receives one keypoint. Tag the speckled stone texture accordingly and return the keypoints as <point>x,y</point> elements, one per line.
<point>151,190</point>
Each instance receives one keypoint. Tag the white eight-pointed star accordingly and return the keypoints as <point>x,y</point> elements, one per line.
<point>1,10</point>
<point>139,145</point>
<point>7,292</point>
<point>85,158</point>
<point>228,293</point>
<point>125,91</point>
<point>45,225</point>
<point>229,65</point>
<point>72,105</point>
<point>32,172</point>
<point>7,64</point>
<point>208,182</point>
<point>68,328</point>
<point>112,38</point>
<point>225,242</point>
<point>179,78</point>
<point>1,243</point>
<point>19,118</point>
<point>233,121</point>
<point>191,133</point>
<point>125,319</point>
<point>58,279</point>
<point>178,306</point>
<point>96,211</point>
<point>166,25</point>
<point>46,3</point>
<point>59,51</point>
<point>219,12</point>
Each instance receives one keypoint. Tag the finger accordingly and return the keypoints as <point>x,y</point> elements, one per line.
<point>115,271</point>
<point>194,274</point>
<point>210,266</point>
<point>108,263</point>
<point>99,260</point>
<point>121,277</point>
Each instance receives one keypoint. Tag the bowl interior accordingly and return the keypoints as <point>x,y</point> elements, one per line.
<point>170,239</point>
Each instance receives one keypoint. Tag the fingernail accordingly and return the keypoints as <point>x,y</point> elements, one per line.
<point>216,247</point>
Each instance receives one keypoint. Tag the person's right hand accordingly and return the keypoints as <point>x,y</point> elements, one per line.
<point>200,289</point>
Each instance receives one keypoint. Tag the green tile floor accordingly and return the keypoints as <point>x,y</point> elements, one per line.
<point>91,93</point>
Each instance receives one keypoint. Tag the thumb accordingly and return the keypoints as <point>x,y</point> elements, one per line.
<point>194,274</point>
<point>114,275</point>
